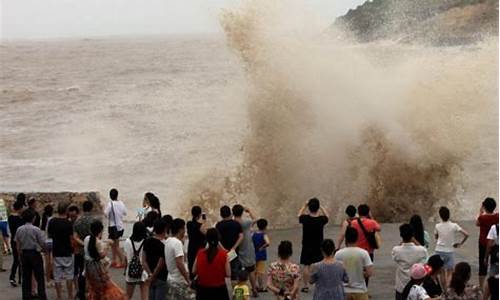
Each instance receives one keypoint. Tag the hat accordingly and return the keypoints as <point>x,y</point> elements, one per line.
<point>419,271</point>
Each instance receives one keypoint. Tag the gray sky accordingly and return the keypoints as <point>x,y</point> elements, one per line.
<point>40,19</point>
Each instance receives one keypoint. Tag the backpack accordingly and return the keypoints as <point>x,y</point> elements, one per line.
<point>494,250</point>
<point>135,267</point>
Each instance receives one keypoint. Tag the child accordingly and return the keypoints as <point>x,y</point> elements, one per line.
<point>241,290</point>
<point>445,233</point>
<point>261,242</point>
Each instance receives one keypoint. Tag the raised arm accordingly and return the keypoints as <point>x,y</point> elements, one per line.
<point>302,211</point>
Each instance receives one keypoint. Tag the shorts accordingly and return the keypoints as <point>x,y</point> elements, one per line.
<point>356,296</point>
<point>309,255</point>
<point>63,268</point>
<point>4,228</point>
<point>448,259</point>
<point>235,268</point>
<point>260,267</point>
<point>114,234</point>
<point>249,269</point>
<point>48,245</point>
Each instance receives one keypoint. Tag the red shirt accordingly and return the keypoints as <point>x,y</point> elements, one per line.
<point>211,274</point>
<point>485,222</point>
<point>370,226</point>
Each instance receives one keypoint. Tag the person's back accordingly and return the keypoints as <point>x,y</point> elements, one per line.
<point>405,256</point>
<point>229,231</point>
<point>211,274</point>
<point>329,279</point>
<point>356,261</point>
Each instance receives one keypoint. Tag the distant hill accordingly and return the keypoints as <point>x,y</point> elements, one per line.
<point>438,22</point>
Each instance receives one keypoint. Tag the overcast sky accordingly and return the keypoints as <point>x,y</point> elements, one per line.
<point>40,19</point>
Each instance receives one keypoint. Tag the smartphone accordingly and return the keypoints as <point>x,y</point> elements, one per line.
<point>203,216</point>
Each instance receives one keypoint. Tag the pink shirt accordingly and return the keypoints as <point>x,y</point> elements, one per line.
<point>370,226</point>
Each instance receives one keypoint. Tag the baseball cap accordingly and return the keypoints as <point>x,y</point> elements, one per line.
<point>419,271</point>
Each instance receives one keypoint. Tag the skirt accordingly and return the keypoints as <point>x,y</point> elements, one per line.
<point>99,284</point>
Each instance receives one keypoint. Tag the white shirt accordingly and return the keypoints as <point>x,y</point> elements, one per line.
<point>129,253</point>
<point>446,232</point>
<point>417,292</point>
<point>355,260</point>
<point>493,234</point>
<point>173,249</point>
<point>120,211</point>
<point>405,256</point>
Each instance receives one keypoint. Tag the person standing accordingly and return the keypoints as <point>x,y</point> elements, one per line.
<point>350,212</point>
<point>30,241</point>
<point>492,250</point>
<point>33,206</point>
<point>4,228</point>
<point>115,212</point>
<point>328,275</point>
<point>153,261</point>
<point>432,282</point>
<point>261,242</point>
<point>445,233</point>
<point>196,230</point>
<point>246,251</point>
<point>460,287</point>
<point>414,289</point>
<point>358,266</point>
<point>81,229</point>
<point>366,225</point>
<point>134,272</point>
<point>60,230</point>
<point>15,221</point>
<point>212,267</point>
<point>405,256</point>
<point>99,283</point>
<point>283,276</point>
<point>421,236</point>
<point>487,217</point>
<point>178,276</point>
<point>231,237</point>
<point>313,218</point>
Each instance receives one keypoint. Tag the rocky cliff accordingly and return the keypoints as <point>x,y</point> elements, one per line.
<point>436,22</point>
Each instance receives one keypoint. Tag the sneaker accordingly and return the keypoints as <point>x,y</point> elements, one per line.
<point>13,283</point>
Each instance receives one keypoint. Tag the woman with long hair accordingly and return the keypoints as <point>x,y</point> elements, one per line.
<point>133,253</point>
<point>432,282</point>
<point>212,267</point>
<point>99,284</point>
<point>421,236</point>
<point>154,202</point>
<point>460,288</point>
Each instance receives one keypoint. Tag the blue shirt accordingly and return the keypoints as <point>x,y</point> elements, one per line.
<point>259,241</point>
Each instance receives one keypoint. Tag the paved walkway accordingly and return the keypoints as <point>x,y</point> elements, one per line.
<point>381,285</point>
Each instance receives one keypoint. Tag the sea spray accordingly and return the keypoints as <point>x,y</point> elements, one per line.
<point>390,125</point>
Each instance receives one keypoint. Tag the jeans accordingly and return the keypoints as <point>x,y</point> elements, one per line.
<point>15,261</point>
<point>32,262</point>
<point>79,267</point>
<point>158,290</point>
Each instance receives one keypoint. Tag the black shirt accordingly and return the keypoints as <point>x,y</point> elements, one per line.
<point>14,223</point>
<point>229,231</point>
<point>432,287</point>
<point>61,231</point>
<point>196,239</point>
<point>312,229</point>
<point>154,250</point>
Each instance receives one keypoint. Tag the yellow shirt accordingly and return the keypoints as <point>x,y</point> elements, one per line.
<point>241,292</point>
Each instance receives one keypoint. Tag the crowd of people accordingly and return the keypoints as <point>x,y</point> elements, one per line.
<point>167,258</point>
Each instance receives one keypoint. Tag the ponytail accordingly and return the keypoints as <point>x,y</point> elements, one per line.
<point>213,244</point>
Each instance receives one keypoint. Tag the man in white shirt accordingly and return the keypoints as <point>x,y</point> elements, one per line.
<point>115,211</point>
<point>445,234</point>
<point>405,256</point>
<point>178,276</point>
<point>358,265</point>
<point>492,250</point>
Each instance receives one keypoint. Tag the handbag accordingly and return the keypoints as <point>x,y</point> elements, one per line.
<point>371,237</point>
